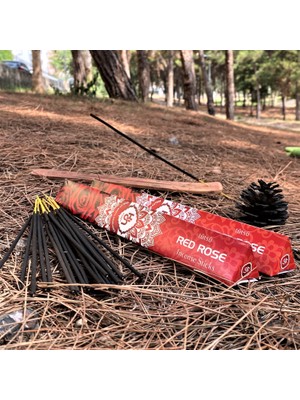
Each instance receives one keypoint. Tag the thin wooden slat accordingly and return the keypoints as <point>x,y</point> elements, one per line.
<point>186,187</point>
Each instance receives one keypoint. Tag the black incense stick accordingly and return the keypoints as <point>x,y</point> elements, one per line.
<point>94,250</point>
<point>110,271</point>
<point>14,243</point>
<point>46,252</point>
<point>114,253</point>
<point>26,255</point>
<point>41,248</point>
<point>73,264</point>
<point>145,148</point>
<point>88,267</point>
<point>60,256</point>
<point>34,253</point>
<point>80,258</point>
<point>77,245</point>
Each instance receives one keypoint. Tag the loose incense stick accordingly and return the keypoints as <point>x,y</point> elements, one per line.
<point>68,217</point>
<point>90,270</point>
<point>34,252</point>
<point>145,148</point>
<point>14,243</point>
<point>41,249</point>
<point>46,253</point>
<point>77,245</point>
<point>106,264</point>
<point>26,256</point>
<point>71,262</point>
<point>96,271</point>
<point>107,270</point>
<point>54,236</point>
<point>90,245</point>
<point>58,251</point>
<point>114,253</point>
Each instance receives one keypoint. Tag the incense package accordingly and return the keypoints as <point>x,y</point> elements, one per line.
<point>272,251</point>
<point>220,256</point>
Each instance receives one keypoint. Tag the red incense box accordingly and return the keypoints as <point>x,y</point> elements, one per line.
<point>272,251</point>
<point>220,256</point>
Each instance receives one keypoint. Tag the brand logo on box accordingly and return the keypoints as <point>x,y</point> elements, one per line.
<point>247,268</point>
<point>285,260</point>
<point>127,219</point>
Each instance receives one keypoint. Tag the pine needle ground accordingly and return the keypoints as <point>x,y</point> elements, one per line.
<point>173,308</point>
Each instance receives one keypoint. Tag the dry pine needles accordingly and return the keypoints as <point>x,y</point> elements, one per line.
<point>172,308</point>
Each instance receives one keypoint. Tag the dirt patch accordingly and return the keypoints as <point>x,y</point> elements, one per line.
<point>173,308</point>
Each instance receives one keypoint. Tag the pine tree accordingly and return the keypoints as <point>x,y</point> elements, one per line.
<point>189,79</point>
<point>230,91</point>
<point>37,77</point>
<point>113,74</point>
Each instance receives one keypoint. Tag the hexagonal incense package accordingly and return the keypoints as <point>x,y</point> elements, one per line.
<point>272,251</point>
<point>220,256</point>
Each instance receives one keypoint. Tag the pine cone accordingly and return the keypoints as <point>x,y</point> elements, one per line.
<point>263,204</point>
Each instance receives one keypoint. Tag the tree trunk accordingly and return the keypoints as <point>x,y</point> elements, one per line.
<point>144,75</point>
<point>283,107</point>
<point>229,85</point>
<point>199,86</point>
<point>244,98</point>
<point>178,89</point>
<point>298,106</point>
<point>37,76</point>
<point>258,106</point>
<point>222,92</point>
<point>189,80</point>
<point>170,95</point>
<point>117,83</point>
<point>207,85</point>
<point>123,55</point>
<point>153,78</point>
<point>79,71</point>
<point>258,103</point>
<point>221,99</point>
<point>298,91</point>
<point>88,65</point>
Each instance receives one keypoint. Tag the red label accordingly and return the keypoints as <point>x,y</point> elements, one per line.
<point>219,256</point>
<point>272,251</point>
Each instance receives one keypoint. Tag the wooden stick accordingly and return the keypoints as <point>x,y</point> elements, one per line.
<point>187,187</point>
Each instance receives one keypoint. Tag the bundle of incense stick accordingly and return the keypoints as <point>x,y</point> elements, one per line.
<point>76,247</point>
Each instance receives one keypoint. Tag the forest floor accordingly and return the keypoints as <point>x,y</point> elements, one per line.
<point>271,117</point>
<point>173,308</point>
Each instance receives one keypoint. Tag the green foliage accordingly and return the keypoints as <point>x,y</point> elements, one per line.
<point>276,70</point>
<point>89,89</point>
<point>281,70</point>
<point>215,63</point>
<point>61,61</point>
<point>6,55</point>
<point>245,73</point>
<point>134,70</point>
